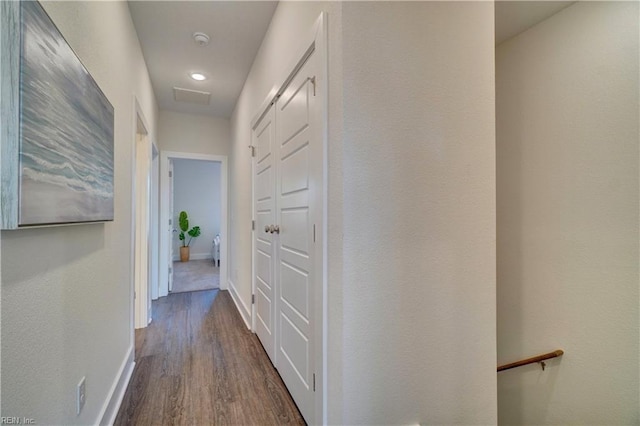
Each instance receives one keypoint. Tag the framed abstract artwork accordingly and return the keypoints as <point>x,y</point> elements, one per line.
<point>57,134</point>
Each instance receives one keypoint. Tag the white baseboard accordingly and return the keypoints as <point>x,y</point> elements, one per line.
<point>196,256</point>
<point>245,312</point>
<point>112,404</point>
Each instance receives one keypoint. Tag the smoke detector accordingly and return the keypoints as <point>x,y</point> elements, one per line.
<point>201,39</point>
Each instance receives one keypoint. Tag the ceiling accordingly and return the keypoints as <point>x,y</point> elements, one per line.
<point>165,30</point>
<point>514,17</point>
<point>236,28</point>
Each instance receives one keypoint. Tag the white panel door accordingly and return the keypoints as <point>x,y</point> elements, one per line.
<point>296,204</point>
<point>263,140</point>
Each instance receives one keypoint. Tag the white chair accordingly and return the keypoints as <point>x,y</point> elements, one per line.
<point>216,250</point>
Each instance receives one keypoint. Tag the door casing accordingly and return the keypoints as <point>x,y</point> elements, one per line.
<point>140,224</point>
<point>165,215</point>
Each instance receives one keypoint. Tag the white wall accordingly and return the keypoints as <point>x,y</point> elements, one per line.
<point>197,191</point>
<point>192,133</point>
<point>419,213</point>
<point>66,291</point>
<point>411,324</point>
<point>567,152</point>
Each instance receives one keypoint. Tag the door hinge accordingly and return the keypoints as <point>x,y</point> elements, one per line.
<point>170,173</point>
<point>313,81</point>
<point>253,299</point>
<point>314,232</point>
<point>170,269</point>
<point>253,225</point>
<point>169,221</point>
<point>134,295</point>
<point>253,150</point>
<point>314,382</point>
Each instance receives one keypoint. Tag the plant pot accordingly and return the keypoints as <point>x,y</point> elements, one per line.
<point>184,254</point>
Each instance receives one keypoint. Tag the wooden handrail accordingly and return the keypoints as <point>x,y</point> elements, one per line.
<point>539,358</point>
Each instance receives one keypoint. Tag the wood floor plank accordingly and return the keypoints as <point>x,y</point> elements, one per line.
<point>197,364</point>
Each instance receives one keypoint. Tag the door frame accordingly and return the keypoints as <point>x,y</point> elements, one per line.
<point>140,291</point>
<point>315,40</point>
<point>165,215</point>
<point>155,221</point>
<point>171,197</point>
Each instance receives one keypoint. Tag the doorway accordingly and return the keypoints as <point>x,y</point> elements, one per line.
<point>144,260</point>
<point>205,251</point>
<point>195,189</point>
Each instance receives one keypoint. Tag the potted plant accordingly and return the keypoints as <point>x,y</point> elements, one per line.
<point>183,221</point>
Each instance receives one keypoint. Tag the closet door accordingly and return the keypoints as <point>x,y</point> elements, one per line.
<point>295,198</point>
<point>264,204</point>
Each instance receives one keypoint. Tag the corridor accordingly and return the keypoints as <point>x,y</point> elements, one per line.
<point>197,364</point>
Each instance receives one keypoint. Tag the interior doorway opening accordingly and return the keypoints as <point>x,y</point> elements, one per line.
<point>144,253</point>
<point>195,189</point>
<point>202,248</point>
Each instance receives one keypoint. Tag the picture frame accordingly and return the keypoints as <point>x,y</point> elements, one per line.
<point>57,131</point>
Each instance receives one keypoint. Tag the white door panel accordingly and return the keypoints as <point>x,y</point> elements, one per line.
<point>294,170</point>
<point>293,110</point>
<point>263,315</point>
<point>264,140</point>
<point>264,215</point>
<point>295,249</point>
<point>295,288</point>
<point>294,227</point>
<point>263,269</point>
<point>295,348</point>
<point>264,299</point>
<point>264,192</point>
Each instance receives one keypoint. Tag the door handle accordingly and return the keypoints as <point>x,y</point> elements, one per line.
<point>272,229</point>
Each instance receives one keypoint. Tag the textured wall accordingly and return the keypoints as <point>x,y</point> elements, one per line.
<point>197,190</point>
<point>419,213</point>
<point>196,134</point>
<point>567,152</point>
<point>66,291</point>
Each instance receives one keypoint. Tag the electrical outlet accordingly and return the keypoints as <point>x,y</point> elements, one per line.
<point>81,395</point>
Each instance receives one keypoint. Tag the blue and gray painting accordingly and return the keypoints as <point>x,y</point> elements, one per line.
<point>66,149</point>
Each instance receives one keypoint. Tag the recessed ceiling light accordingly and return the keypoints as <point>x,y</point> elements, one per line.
<point>198,76</point>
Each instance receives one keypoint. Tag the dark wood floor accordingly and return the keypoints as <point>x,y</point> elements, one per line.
<point>197,364</point>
